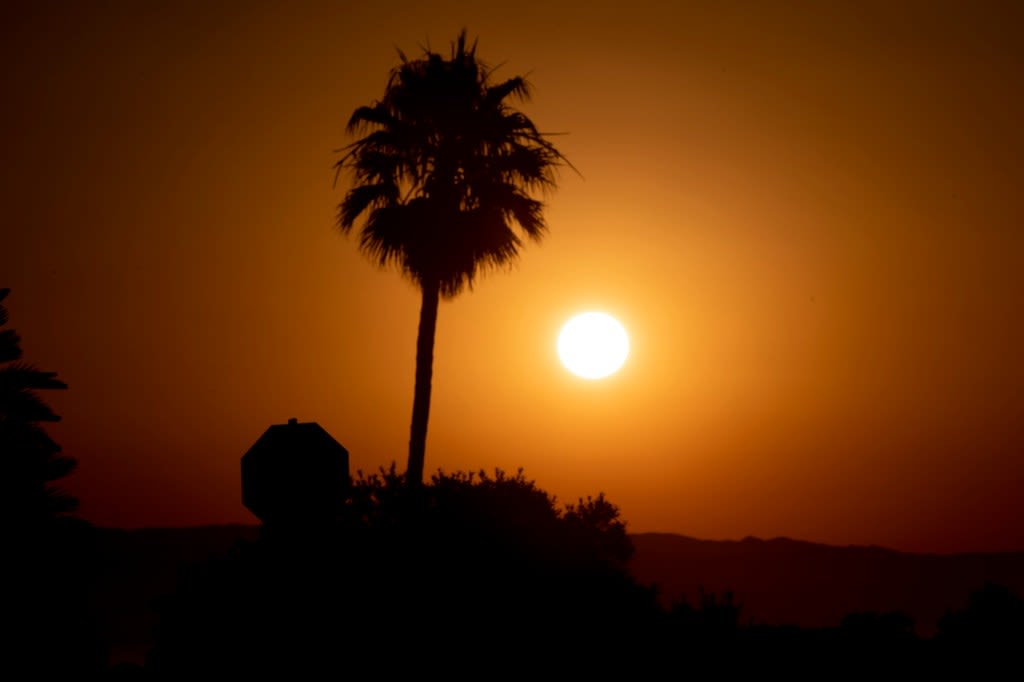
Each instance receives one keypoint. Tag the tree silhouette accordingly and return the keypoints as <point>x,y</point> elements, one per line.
<point>505,581</point>
<point>988,633</point>
<point>444,172</point>
<point>47,550</point>
<point>32,461</point>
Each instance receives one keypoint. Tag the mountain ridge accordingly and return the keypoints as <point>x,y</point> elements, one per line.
<point>778,581</point>
<point>781,581</point>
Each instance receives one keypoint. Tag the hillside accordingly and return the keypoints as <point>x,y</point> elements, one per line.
<point>783,581</point>
<point>778,581</point>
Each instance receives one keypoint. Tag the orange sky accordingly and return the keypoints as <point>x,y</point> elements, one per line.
<point>808,216</point>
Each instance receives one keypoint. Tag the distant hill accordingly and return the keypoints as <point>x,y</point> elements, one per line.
<point>778,581</point>
<point>791,582</point>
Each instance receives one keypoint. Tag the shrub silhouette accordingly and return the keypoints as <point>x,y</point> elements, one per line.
<point>988,633</point>
<point>713,616</point>
<point>477,576</point>
<point>467,570</point>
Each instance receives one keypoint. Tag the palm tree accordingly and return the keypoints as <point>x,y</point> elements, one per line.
<point>444,174</point>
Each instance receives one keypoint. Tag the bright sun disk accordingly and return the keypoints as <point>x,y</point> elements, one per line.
<point>593,345</point>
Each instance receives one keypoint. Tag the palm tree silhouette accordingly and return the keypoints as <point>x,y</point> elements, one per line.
<point>444,171</point>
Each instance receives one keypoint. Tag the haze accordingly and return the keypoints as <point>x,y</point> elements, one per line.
<point>807,215</point>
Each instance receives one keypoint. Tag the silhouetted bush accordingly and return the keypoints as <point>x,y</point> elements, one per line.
<point>468,570</point>
<point>713,616</point>
<point>478,576</point>
<point>890,628</point>
<point>988,633</point>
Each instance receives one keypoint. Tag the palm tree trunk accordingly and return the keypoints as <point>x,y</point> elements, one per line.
<point>424,374</point>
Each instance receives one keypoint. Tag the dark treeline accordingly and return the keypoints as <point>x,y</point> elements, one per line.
<point>465,571</point>
<point>481,576</point>
<point>469,575</point>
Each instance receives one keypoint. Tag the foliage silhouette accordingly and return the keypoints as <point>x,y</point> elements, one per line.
<point>892,630</point>
<point>479,576</point>
<point>32,460</point>
<point>500,575</point>
<point>444,171</point>
<point>45,588</point>
<point>988,633</point>
<point>715,616</point>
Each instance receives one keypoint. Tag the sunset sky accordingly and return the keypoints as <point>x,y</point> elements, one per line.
<point>808,215</point>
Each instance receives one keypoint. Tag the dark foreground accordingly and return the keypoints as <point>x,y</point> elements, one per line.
<point>466,577</point>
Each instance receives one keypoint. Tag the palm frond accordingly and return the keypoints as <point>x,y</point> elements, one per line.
<point>444,171</point>
<point>482,241</point>
<point>363,197</point>
<point>366,116</point>
<point>516,208</point>
<point>527,212</point>
<point>517,86</point>
<point>388,235</point>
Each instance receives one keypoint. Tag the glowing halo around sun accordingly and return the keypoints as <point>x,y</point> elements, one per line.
<point>593,345</point>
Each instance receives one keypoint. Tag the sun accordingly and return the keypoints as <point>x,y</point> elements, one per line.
<point>593,345</point>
